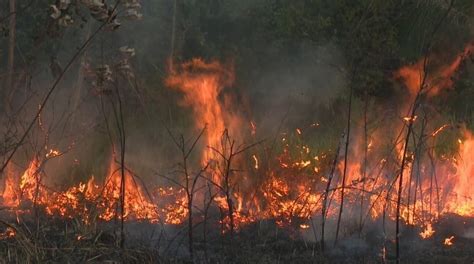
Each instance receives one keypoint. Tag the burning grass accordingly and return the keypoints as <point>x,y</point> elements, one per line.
<point>288,201</point>
<point>286,186</point>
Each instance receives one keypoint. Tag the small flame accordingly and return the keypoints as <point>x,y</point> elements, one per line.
<point>439,130</point>
<point>9,233</point>
<point>53,153</point>
<point>448,241</point>
<point>253,128</point>
<point>255,159</point>
<point>303,164</point>
<point>428,232</point>
<point>304,226</point>
<point>409,119</point>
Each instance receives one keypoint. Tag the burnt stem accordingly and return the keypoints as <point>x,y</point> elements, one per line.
<point>346,151</point>
<point>325,206</point>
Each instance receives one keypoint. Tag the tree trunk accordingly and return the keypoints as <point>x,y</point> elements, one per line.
<point>346,153</point>
<point>325,207</point>
<point>173,35</point>
<point>11,56</point>
<point>364,169</point>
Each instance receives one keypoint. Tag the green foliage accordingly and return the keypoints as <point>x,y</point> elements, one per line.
<point>376,37</point>
<point>365,30</point>
<point>459,100</point>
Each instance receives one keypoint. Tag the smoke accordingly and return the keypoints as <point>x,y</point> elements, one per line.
<point>469,233</point>
<point>291,91</point>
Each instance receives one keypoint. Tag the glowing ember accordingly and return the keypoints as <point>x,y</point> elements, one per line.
<point>174,202</point>
<point>256,161</point>
<point>448,241</point>
<point>9,233</point>
<point>253,127</point>
<point>304,226</point>
<point>439,130</point>
<point>408,119</point>
<point>53,153</point>
<point>428,232</point>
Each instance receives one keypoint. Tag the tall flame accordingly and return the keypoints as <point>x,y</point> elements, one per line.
<point>202,84</point>
<point>461,198</point>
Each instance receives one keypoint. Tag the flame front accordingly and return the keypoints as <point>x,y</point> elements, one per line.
<point>289,187</point>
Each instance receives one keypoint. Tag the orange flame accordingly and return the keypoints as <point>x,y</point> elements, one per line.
<point>202,84</point>
<point>138,204</point>
<point>461,200</point>
<point>428,232</point>
<point>448,241</point>
<point>437,81</point>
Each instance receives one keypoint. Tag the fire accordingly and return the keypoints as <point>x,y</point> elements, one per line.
<point>439,130</point>
<point>240,217</point>
<point>253,128</point>
<point>10,192</point>
<point>78,199</point>
<point>304,226</point>
<point>30,180</point>
<point>461,200</point>
<point>9,233</point>
<point>53,153</point>
<point>408,119</point>
<point>428,232</point>
<point>202,84</point>
<point>175,208</point>
<point>255,159</point>
<point>138,204</point>
<point>448,241</point>
<point>303,163</point>
<point>289,192</point>
<point>413,75</point>
<point>292,186</point>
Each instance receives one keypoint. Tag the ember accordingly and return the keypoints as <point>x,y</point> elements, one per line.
<point>448,241</point>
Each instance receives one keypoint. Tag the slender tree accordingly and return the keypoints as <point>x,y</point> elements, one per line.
<point>11,55</point>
